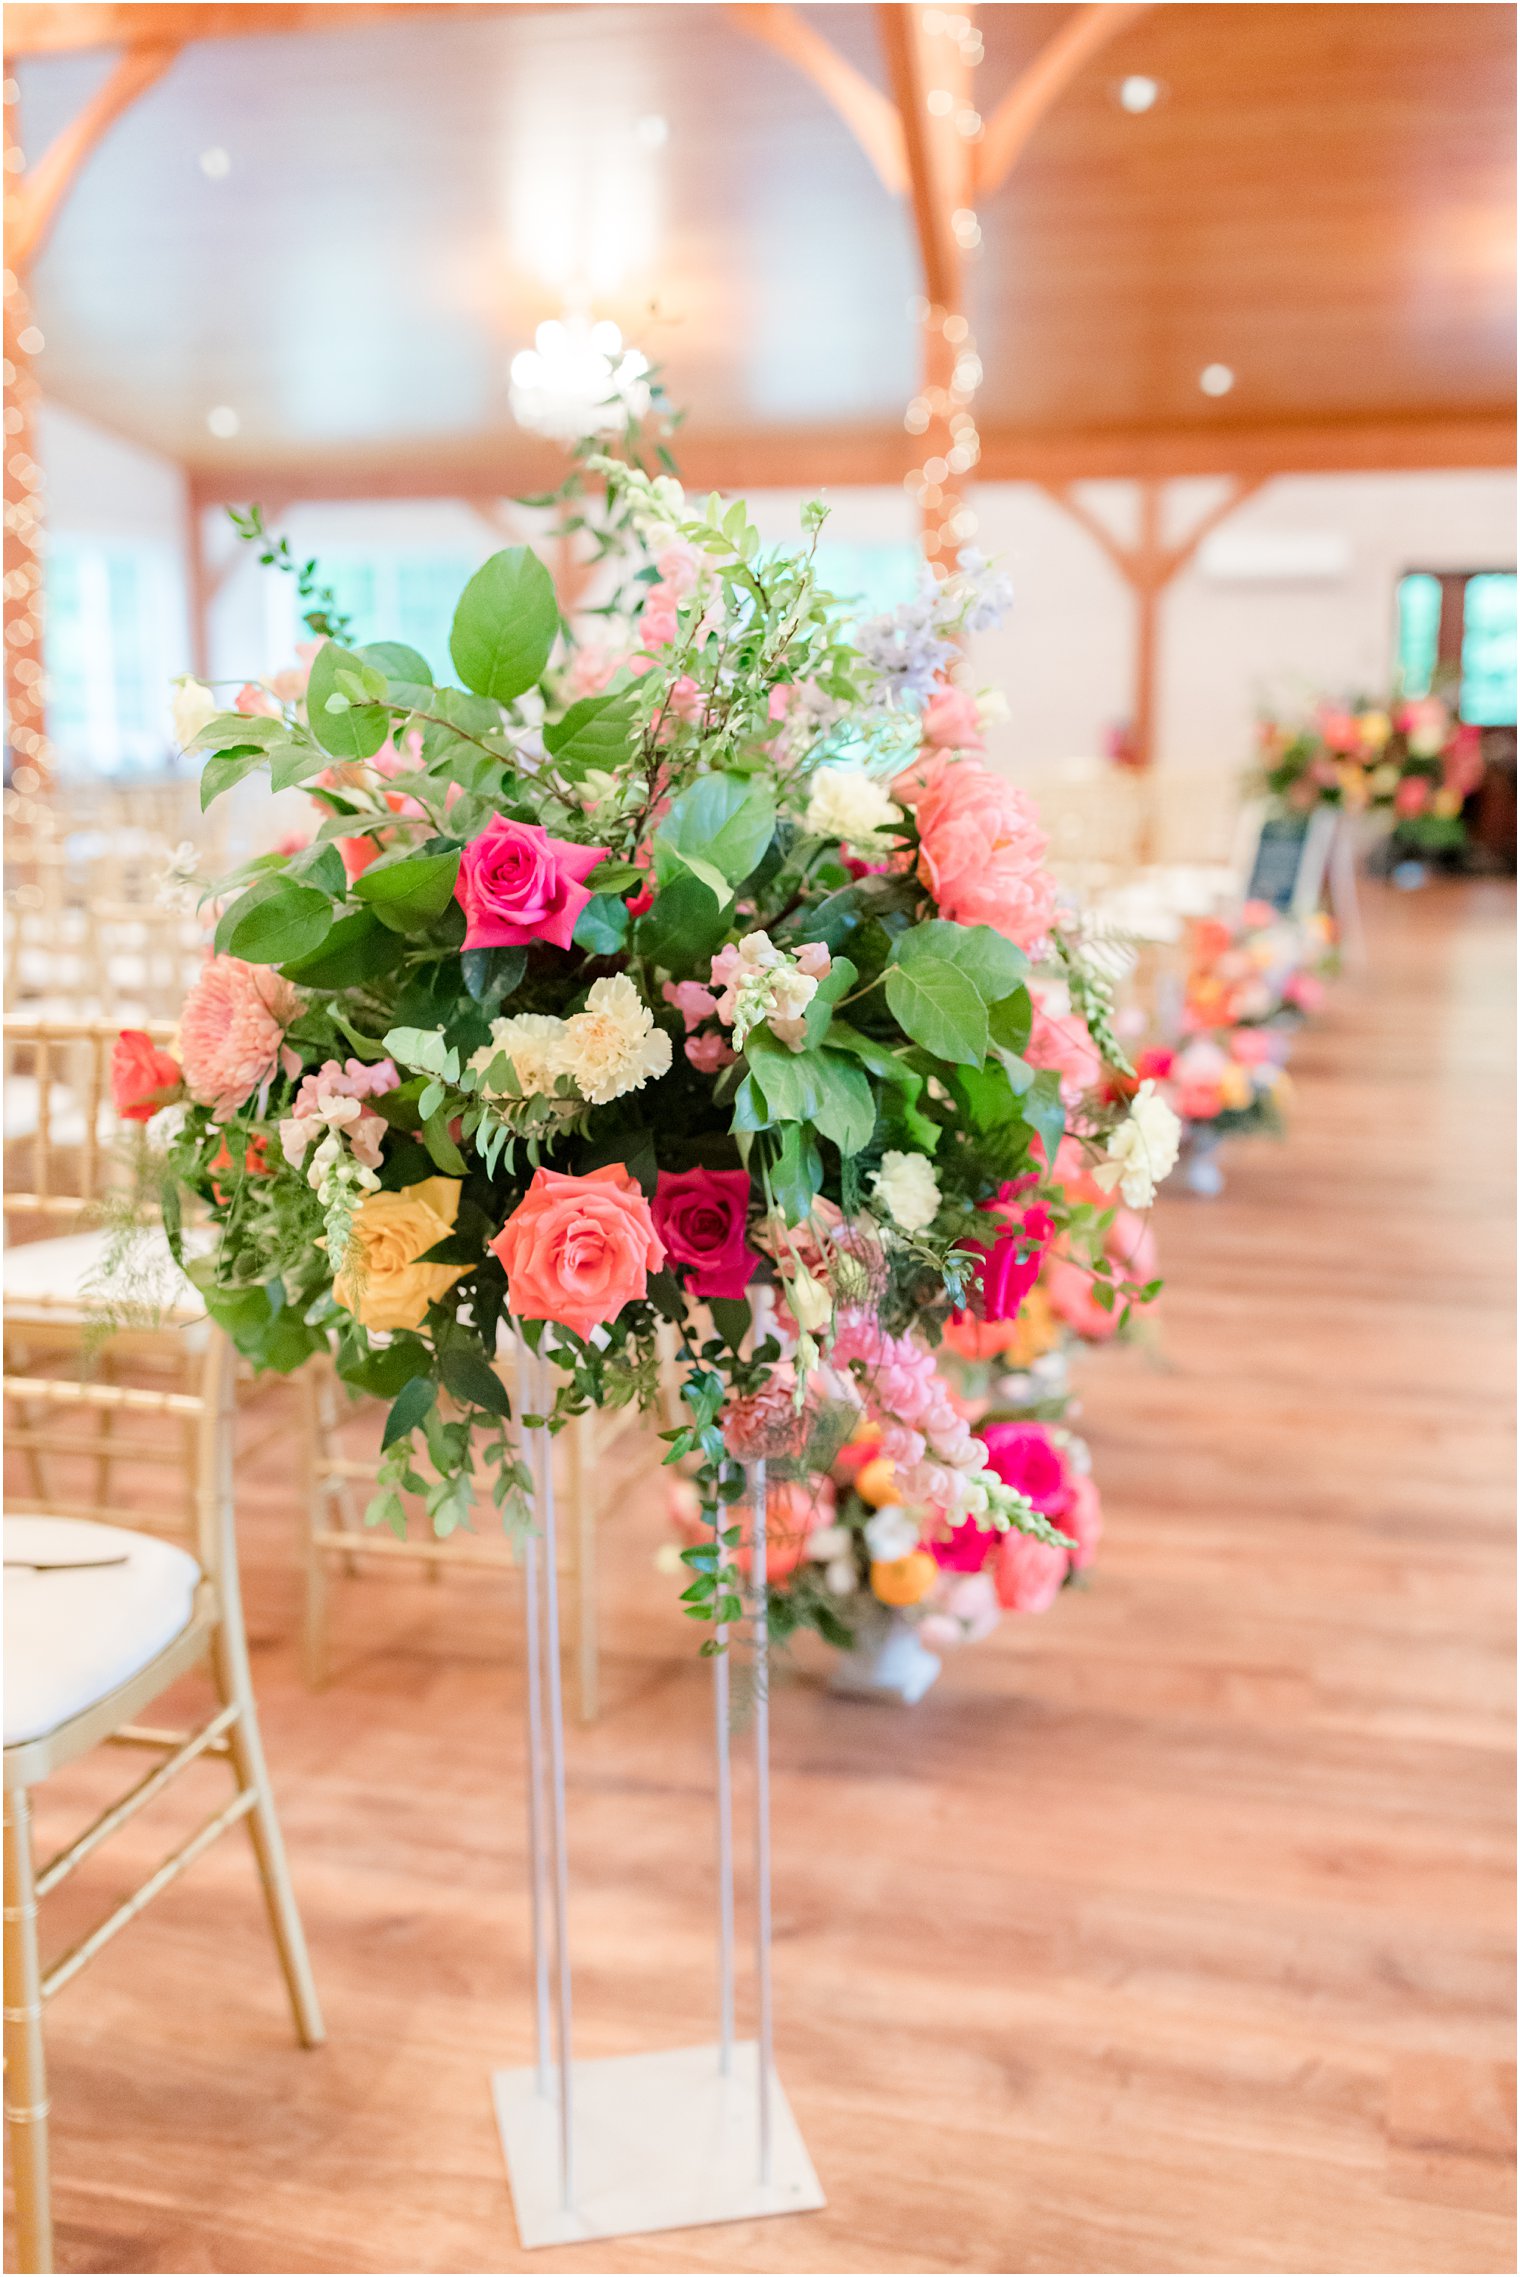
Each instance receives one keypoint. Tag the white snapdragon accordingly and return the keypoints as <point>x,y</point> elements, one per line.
<point>1142,1150</point>
<point>907,1190</point>
<point>848,804</point>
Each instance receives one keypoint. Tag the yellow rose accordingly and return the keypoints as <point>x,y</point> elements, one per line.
<point>382,1284</point>
<point>903,1581</point>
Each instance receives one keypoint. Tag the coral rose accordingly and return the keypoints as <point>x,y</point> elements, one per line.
<point>517,885</point>
<point>143,1078</point>
<point>700,1216</point>
<point>232,1032</point>
<point>577,1249</point>
<point>982,851</point>
<point>1028,1574</point>
<point>386,1285</point>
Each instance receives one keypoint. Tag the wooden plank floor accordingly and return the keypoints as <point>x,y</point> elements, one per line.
<point>1172,1932</point>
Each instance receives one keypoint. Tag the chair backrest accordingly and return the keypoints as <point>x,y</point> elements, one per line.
<point>188,1429</point>
<point>65,1146</point>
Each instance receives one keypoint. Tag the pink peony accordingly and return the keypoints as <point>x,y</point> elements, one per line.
<point>700,1215</point>
<point>951,721</point>
<point>232,1032</point>
<point>517,885</point>
<point>981,850</point>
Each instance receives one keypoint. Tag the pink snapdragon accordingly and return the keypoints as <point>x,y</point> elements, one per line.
<point>332,1100</point>
<point>763,985</point>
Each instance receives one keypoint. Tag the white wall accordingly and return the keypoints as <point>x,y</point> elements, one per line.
<point>1064,657</point>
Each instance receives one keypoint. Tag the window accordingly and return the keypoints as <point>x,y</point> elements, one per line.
<point>114,639</point>
<point>1460,627</point>
<point>875,574</point>
<point>393,595</point>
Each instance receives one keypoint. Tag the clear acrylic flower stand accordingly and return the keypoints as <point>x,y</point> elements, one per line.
<point>618,2145</point>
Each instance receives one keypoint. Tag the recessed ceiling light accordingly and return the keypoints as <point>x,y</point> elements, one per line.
<point>215,163</point>
<point>1137,93</point>
<point>223,421</point>
<point>1216,379</point>
<point>652,131</point>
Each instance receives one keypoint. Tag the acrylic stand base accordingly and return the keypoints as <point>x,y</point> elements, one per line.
<point>662,2143</point>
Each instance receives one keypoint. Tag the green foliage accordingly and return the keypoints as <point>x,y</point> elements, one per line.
<point>505,625</point>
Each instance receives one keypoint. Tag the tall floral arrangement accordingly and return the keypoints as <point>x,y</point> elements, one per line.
<point>1411,760</point>
<point>682,977</point>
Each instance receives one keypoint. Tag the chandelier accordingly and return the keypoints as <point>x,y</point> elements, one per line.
<point>578,379</point>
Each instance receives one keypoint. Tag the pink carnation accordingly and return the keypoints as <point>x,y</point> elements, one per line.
<point>232,1032</point>
<point>982,851</point>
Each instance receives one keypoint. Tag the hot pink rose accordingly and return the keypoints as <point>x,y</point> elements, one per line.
<point>965,1549</point>
<point>1025,1457</point>
<point>1413,796</point>
<point>577,1249</point>
<point>143,1078</point>
<point>951,721</point>
<point>232,1032</point>
<point>982,851</point>
<point>517,885</point>
<point>700,1216</point>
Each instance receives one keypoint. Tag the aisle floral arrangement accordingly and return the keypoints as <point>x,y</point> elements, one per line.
<point>683,978</point>
<point>1252,978</point>
<point>1411,760</point>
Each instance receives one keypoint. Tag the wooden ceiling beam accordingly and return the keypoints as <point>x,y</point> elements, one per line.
<point>1042,83</point>
<point>866,111</point>
<point>938,168</point>
<point>844,458</point>
<point>36,27</point>
<point>35,198</point>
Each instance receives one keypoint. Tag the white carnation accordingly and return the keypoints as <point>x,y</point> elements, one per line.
<point>614,1045</point>
<point>891,1533</point>
<point>532,1041</point>
<point>848,804</point>
<point>907,1190</point>
<point>1142,1150</point>
<point>193,706</point>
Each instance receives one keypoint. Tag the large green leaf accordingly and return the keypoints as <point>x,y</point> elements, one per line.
<point>470,1376</point>
<point>224,768</point>
<point>402,666</point>
<point>797,1175</point>
<point>227,730</point>
<point>275,922</point>
<point>354,730</point>
<point>408,1408</point>
<point>408,894</point>
<point>359,948</point>
<point>821,1089</point>
<point>936,1004</point>
<point>505,625</point>
<point>596,732</point>
<point>291,762</point>
<point>727,820</point>
<point>684,926</point>
<point>892,1071</point>
<point>992,964</point>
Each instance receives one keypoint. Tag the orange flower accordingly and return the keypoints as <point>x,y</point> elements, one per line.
<point>143,1078</point>
<point>255,1163</point>
<point>576,1250</point>
<point>903,1581</point>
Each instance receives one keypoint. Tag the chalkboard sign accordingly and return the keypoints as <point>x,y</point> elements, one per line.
<point>1287,868</point>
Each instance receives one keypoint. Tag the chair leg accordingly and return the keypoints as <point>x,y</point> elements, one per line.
<point>234,1684</point>
<point>26,2104</point>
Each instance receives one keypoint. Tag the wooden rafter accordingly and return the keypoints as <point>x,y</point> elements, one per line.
<point>866,111</point>
<point>1044,81</point>
<point>37,196</point>
<point>39,27</point>
<point>938,169</point>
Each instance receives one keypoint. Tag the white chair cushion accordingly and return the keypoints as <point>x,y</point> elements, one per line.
<point>63,1277</point>
<point>73,1634</point>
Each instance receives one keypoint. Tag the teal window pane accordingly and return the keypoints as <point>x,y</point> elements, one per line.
<point>125,600</point>
<point>426,592</point>
<point>1419,631</point>
<point>877,576</point>
<point>353,584</point>
<point>1488,649</point>
<point>66,650</point>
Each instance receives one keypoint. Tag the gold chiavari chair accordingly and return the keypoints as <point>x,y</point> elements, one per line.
<point>102,1615</point>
